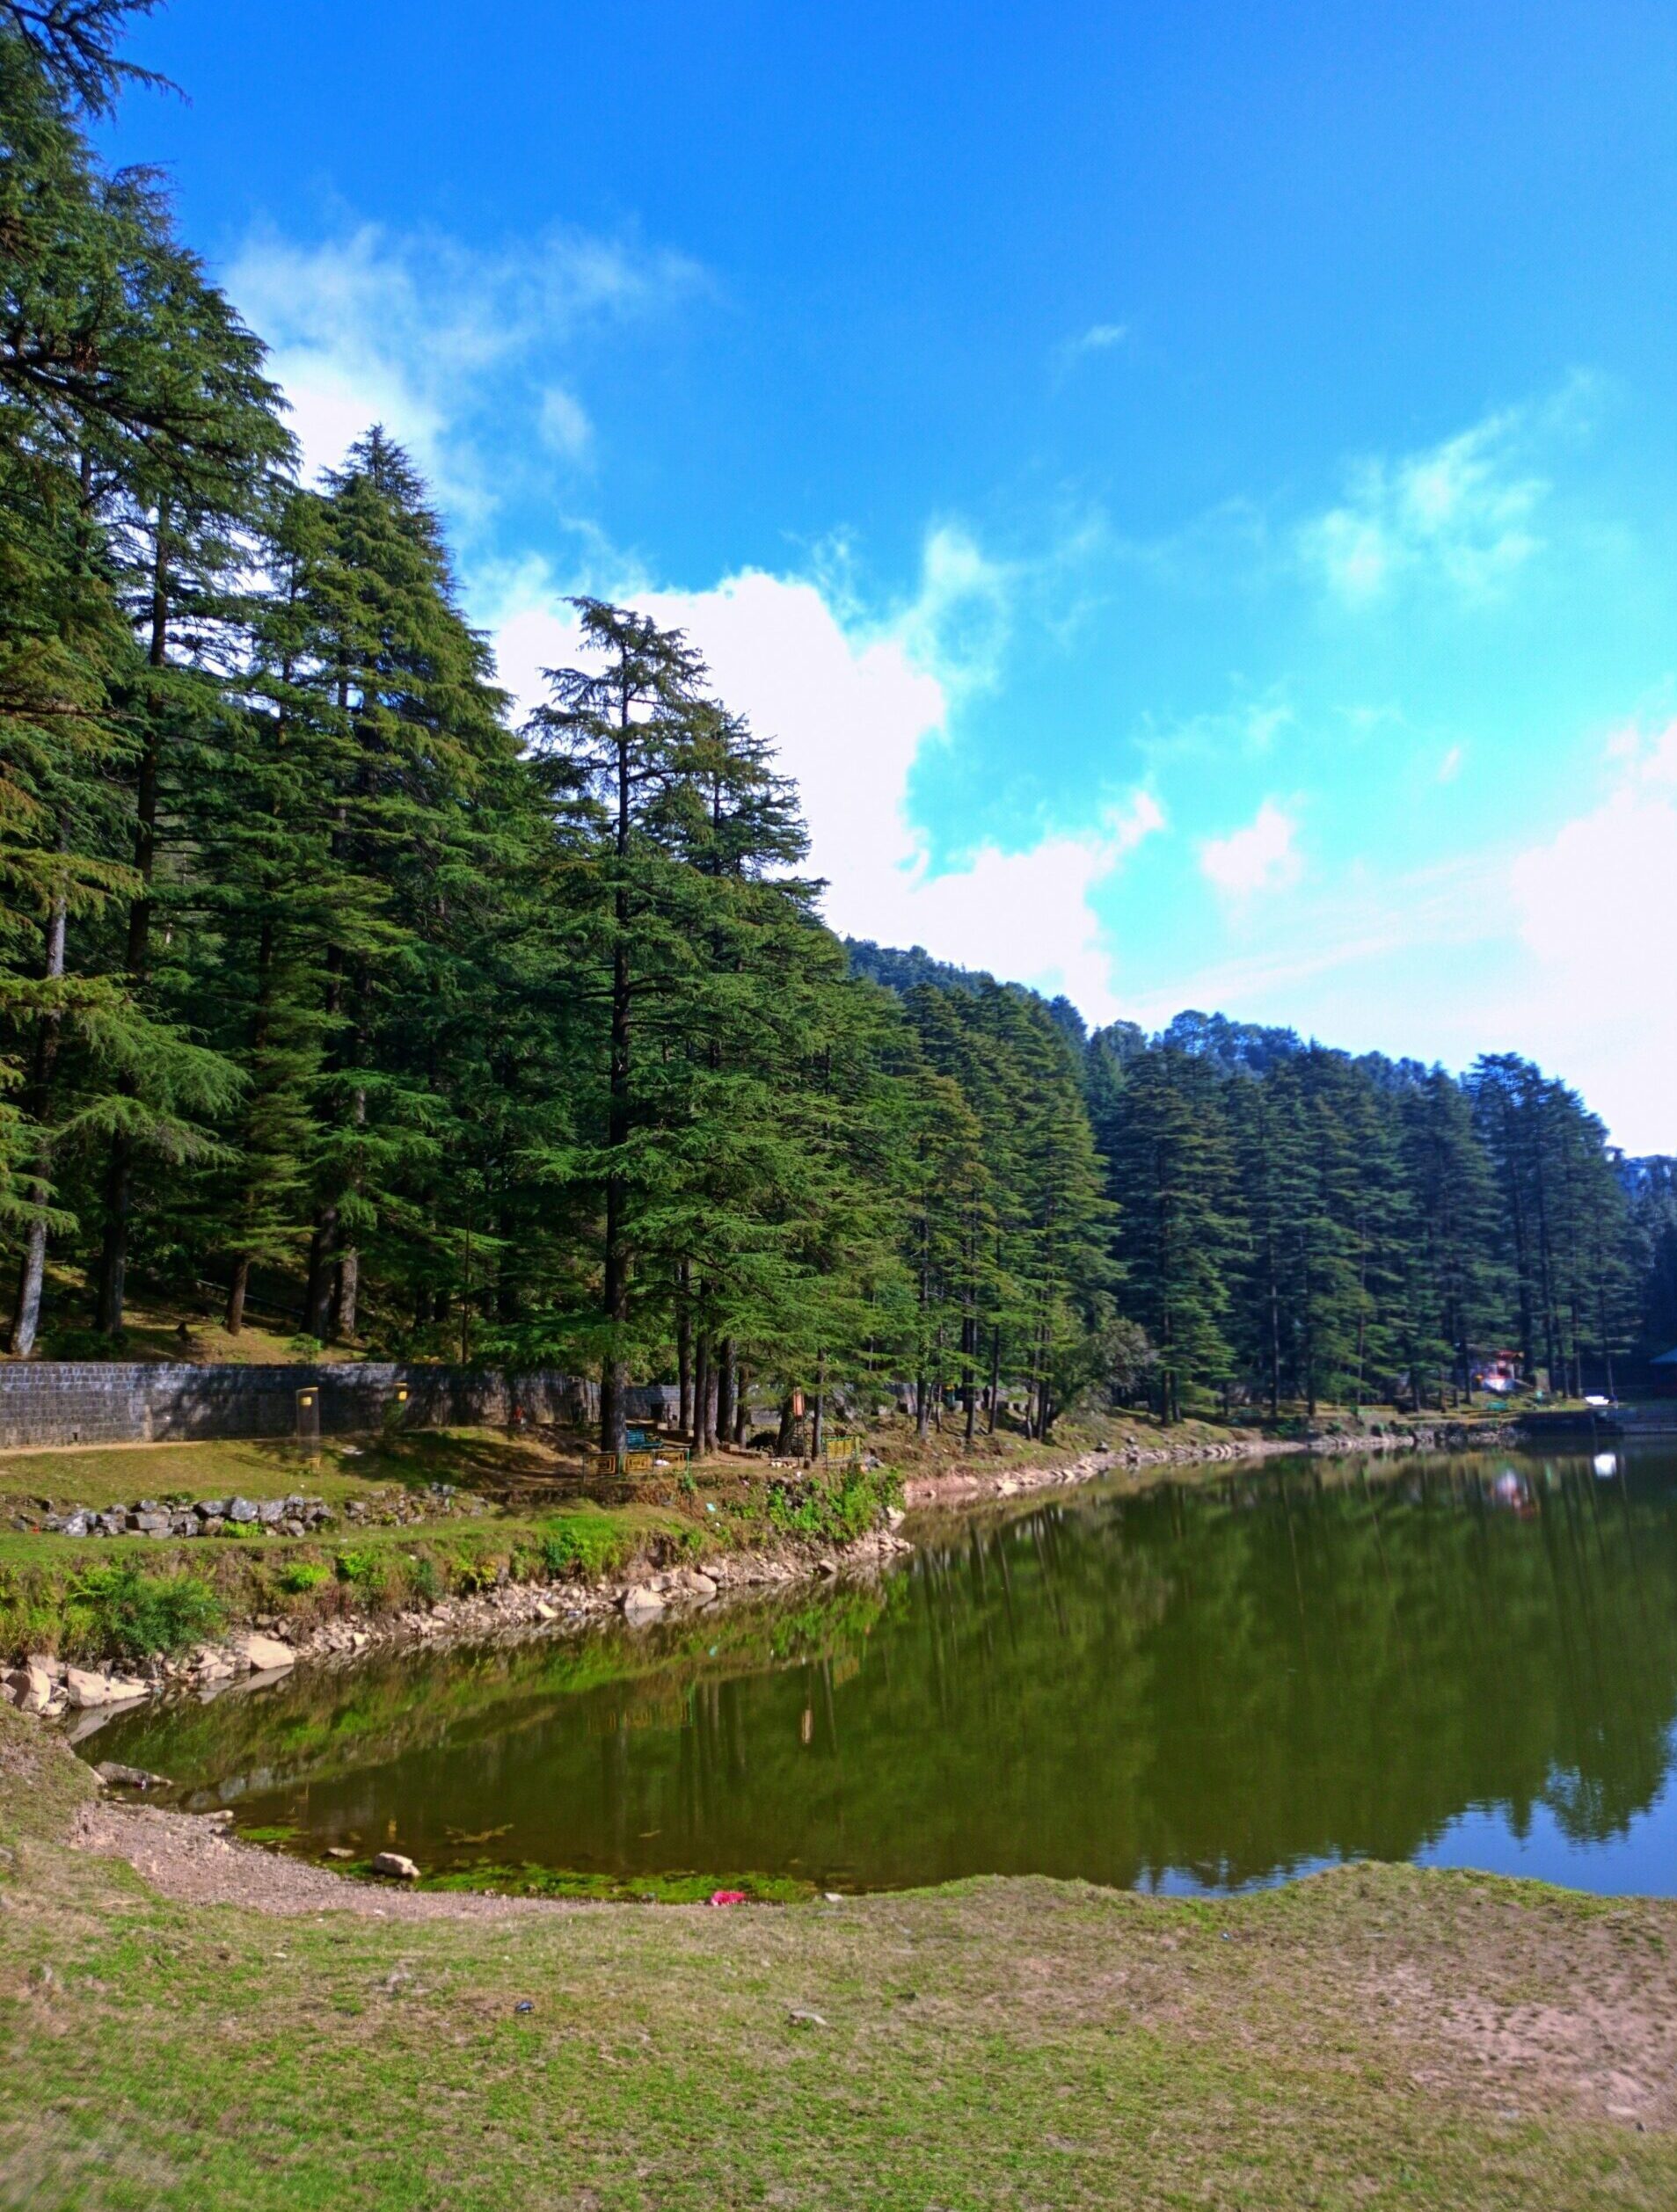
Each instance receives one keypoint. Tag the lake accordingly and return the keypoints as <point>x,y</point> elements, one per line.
<point>1466,1662</point>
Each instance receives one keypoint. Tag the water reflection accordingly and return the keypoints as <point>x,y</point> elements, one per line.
<point>1200,1687</point>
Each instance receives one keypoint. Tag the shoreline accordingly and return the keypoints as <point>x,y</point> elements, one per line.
<point>81,1700</point>
<point>964,1486</point>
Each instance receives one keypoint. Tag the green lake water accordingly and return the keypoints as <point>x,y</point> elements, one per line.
<point>1465,1661</point>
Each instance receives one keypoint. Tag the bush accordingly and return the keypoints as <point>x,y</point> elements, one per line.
<point>829,1510</point>
<point>366,1570</point>
<point>135,1614</point>
<point>304,1574</point>
<point>585,1544</point>
<point>424,1580</point>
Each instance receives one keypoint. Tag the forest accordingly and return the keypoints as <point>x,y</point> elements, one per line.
<point>329,989</point>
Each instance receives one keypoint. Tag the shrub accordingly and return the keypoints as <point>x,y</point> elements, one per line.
<point>425,1579</point>
<point>304,1574</point>
<point>585,1544</point>
<point>135,1614</point>
<point>833,1511</point>
<point>367,1571</point>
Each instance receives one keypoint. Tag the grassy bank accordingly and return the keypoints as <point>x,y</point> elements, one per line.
<point>393,1542</point>
<point>1368,2038</point>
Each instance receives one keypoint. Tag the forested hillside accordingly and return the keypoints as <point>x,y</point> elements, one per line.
<point>323,983</point>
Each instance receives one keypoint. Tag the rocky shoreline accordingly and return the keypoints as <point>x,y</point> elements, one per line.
<point>965,1486</point>
<point>84,1697</point>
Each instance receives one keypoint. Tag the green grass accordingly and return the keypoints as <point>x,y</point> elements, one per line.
<point>997,2044</point>
<point>116,1474</point>
<point>60,1593</point>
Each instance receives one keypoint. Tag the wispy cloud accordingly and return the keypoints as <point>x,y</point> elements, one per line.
<point>443,343</point>
<point>1098,338</point>
<point>1464,513</point>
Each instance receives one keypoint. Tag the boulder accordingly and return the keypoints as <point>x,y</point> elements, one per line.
<point>265,1653</point>
<point>243,1510</point>
<point>155,1524</point>
<point>271,1512</point>
<point>32,1685</point>
<point>700,1585</point>
<point>85,1688</point>
<point>641,1603</point>
<point>394,1866</point>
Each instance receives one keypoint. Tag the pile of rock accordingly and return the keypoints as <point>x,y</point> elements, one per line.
<point>293,1516</point>
<point>49,1687</point>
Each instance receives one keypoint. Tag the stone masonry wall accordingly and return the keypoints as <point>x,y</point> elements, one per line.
<point>53,1401</point>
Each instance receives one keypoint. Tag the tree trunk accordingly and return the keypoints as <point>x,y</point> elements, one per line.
<point>725,1390</point>
<point>322,1273</point>
<point>712,1379</point>
<point>346,1294</point>
<point>26,1314</point>
<point>818,1425</point>
<point>240,1284</point>
<point>114,1249</point>
<point>701,1387</point>
<point>685,1348</point>
<point>995,1378</point>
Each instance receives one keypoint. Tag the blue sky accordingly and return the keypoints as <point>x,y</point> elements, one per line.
<point>1193,491</point>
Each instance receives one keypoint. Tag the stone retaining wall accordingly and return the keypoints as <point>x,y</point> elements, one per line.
<point>53,1401</point>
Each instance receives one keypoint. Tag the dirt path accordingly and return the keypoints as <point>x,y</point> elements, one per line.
<point>191,1858</point>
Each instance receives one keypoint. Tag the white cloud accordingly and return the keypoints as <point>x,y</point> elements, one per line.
<point>1099,337</point>
<point>1462,512</point>
<point>1595,908</point>
<point>418,333</point>
<point>566,427</point>
<point>851,704</point>
<point>1260,857</point>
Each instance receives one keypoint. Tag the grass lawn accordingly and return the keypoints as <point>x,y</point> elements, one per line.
<point>1366,2038</point>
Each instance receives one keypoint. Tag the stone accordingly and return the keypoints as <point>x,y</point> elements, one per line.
<point>85,1688</point>
<point>32,1687</point>
<point>183,1525</point>
<point>149,1524</point>
<point>394,1866</point>
<point>265,1653</point>
<point>640,1602</point>
<point>128,1777</point>
<point>271,1512</point>
<point>112,1523</point>
<point>241,1509</point>
<point>702,1585</point>
<point>211,1509</point>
